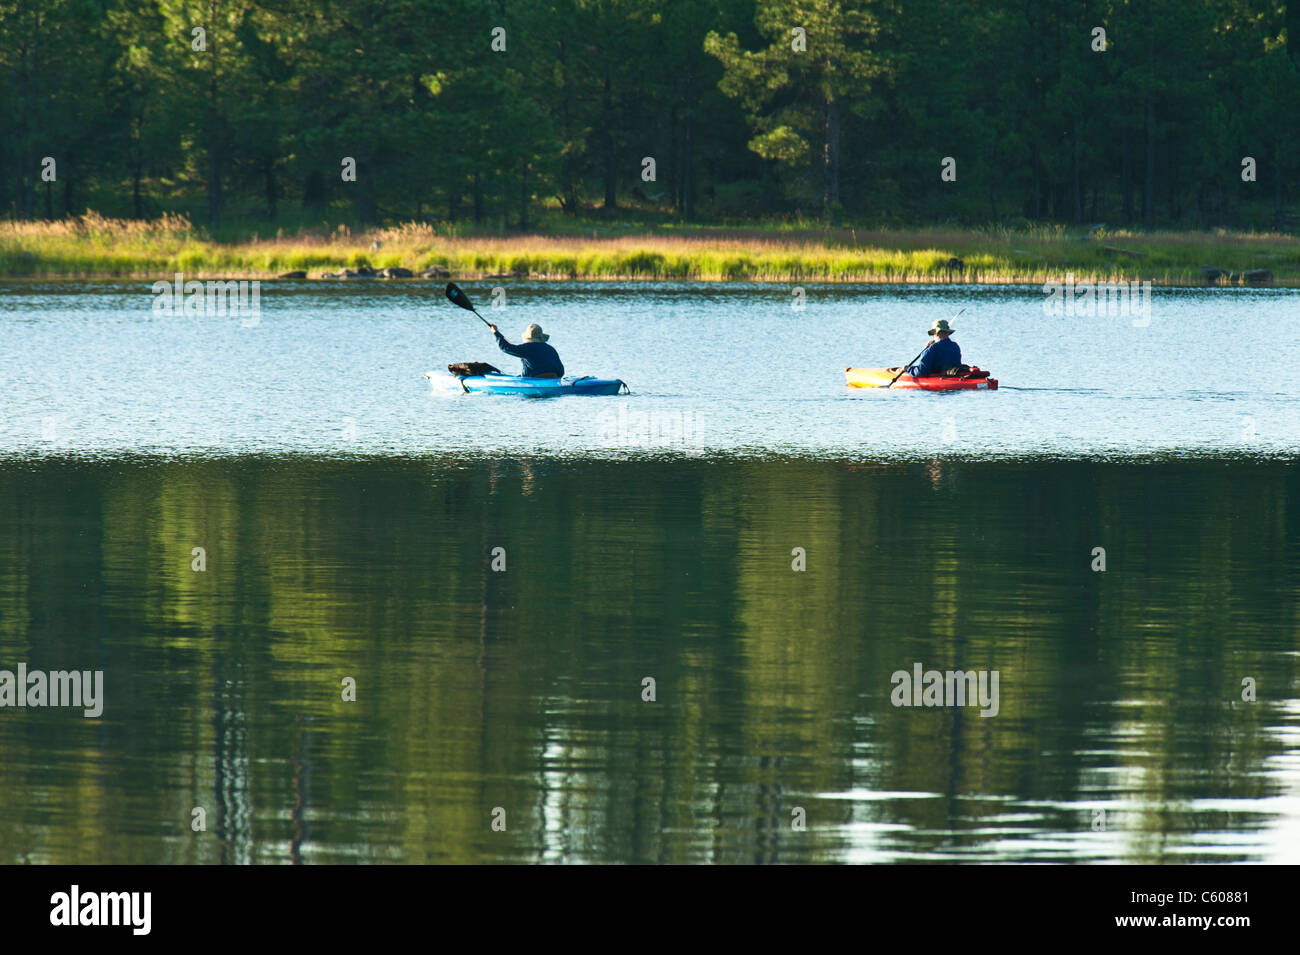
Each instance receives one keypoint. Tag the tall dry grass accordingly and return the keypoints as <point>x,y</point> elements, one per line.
<point>92,245</point>
<point>93,225</point>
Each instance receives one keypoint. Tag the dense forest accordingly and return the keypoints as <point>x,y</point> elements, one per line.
<point>1150,113</point>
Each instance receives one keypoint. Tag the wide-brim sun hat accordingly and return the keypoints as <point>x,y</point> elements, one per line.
<point>534,333</point>
<point>941,326</point>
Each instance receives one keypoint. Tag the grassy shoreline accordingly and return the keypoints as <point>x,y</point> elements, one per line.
<point>94,247</point>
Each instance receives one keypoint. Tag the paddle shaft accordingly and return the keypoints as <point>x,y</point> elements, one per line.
<point>907,366</point>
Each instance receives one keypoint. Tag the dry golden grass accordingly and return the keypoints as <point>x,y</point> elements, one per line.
<point>92,224</point>
<point>92,245</point>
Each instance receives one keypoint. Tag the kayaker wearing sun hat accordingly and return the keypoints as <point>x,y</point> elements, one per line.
<point>941,353</point>
<point>540,359</point>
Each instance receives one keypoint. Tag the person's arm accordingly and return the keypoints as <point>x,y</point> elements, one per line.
<point>923,364</point>
<point>504,345</point>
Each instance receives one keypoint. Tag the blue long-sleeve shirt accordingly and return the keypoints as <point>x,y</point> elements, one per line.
<point>540,359</point>
<point>942,353</point>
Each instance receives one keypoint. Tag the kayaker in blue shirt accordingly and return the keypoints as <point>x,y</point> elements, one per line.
<point>941,353</point>
<point>540,359</point>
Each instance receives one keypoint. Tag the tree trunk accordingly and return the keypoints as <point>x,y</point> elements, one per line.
<point>136,170</point>
<point>214,185</point>
<point>1078,176</point>
<point>607,141</point>
<point>831,158</point>
<point>365,204</point>
<point>214,162</point>
<point>523,198</point>
<point>1126,179</point>
<point>313,191</point>
<point>568,176</point>
<point>1149,181</point>
<point>1277,188</point>
<point>675,157</point>
<point>272,191</point>
<point>688,150</point>
<point>1036,203</point>
<point>26,156</point>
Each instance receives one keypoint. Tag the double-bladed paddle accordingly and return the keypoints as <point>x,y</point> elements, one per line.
<point>460,298</point>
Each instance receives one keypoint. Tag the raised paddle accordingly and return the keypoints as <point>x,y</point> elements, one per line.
<point>900,371</point>
<point>460,298</point>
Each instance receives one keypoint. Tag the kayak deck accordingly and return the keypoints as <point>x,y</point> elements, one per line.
<point>497,384</point>
<point>881,377</point>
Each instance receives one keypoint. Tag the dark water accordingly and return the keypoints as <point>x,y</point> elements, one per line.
<point>1120,690</point>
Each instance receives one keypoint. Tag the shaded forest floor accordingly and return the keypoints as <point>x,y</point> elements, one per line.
<point>95,247</point>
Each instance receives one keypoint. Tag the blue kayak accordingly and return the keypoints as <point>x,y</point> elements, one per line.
<point>541,387</point>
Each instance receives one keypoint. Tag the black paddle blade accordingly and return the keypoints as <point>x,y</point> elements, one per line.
<point>460,298</point>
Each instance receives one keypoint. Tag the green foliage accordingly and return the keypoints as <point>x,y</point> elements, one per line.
<point>552,130</point>
<point>817,62</point>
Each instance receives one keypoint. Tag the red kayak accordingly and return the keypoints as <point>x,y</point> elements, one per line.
<point>974,380</point>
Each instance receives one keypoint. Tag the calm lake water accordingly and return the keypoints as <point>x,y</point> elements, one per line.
<point>336,368</point>
<point>350,518</point>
